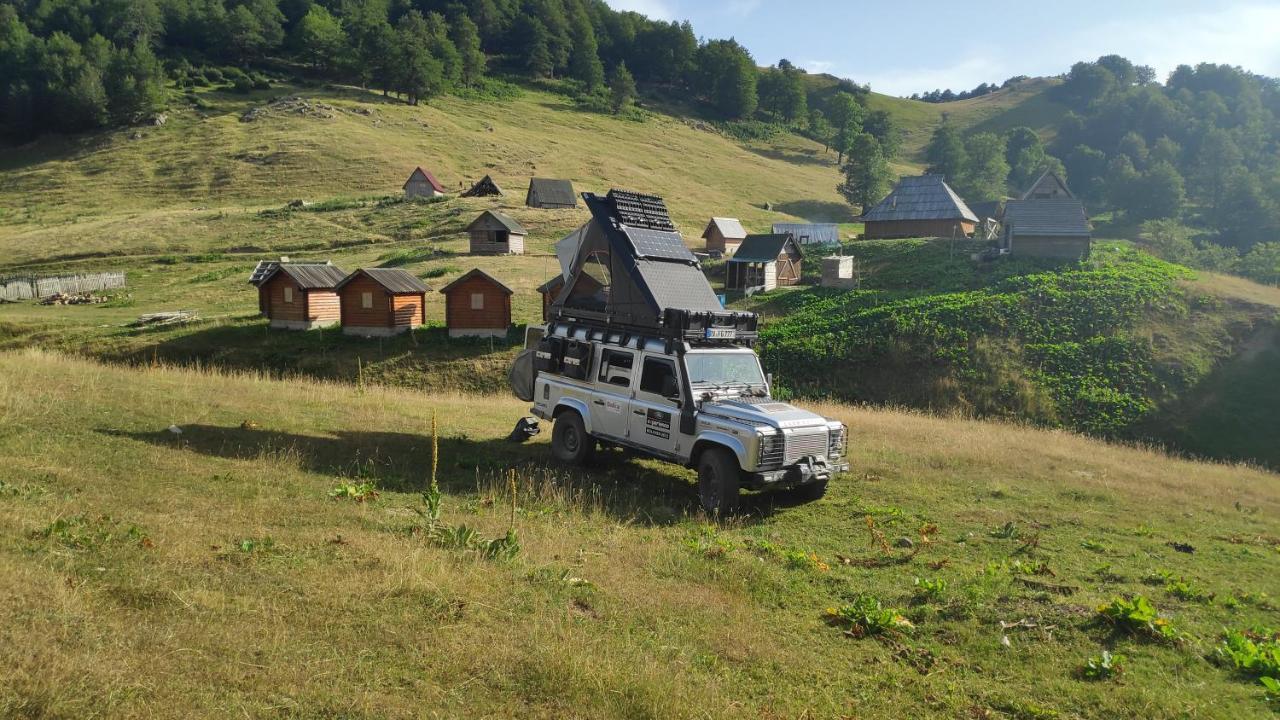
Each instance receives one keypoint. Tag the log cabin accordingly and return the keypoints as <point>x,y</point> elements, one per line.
<point>923,206</point>
<point>380,302</point>
<point>495,233</point>
<point>724,235</point>
<point>422,184</point>
<point>301,296</point>
<point>764,262</point>
<point>477,305</point>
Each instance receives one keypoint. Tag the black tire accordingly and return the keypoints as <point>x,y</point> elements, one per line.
<point>570,442</point>
<point>718,480</point>
<point>810,492</point>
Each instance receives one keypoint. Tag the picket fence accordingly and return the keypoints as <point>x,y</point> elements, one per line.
<point>27,288</point>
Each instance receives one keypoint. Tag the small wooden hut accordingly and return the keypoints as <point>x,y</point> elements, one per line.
<point>486,187</point>
<point>764,262</point>
<point>923,206</point>
<point>495,233</point>
<point>301,296</point>
<point>549,290</point>
<point>724,235</point>
<point>1046,228</point>
<point>422,184</point>
<point>551,193</point>
<point>381,302</point>
<point>477,305</point>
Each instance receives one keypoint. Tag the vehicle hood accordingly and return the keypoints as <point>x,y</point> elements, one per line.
<point>763,411</point>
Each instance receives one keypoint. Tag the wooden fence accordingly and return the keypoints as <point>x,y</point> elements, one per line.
<point>26,288</point>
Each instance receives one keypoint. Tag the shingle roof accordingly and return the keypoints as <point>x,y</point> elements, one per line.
<point>1050,180</point>
<point>426,175</point>
<point>396,280</point>
<point>989,209</point>
<point>474,273</point>
<point>730,228</point>
<point>485,187</point>
<point>810,233</point>
<point>761,248</point>
<point>1046,217</point>
<point>309,276</point>
<point>551,191</point>
<point>926,197</point>
<point>502,219</point>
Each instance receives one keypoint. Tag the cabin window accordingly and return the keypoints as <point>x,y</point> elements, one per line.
<point>366,300</point>
<point>615,367</point>
<point>477,301</point>
<point>288,294</point>
<point>502,237</point>
<point>658,377</point>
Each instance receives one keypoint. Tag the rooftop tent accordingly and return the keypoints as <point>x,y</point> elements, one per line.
<point>632,264</point>
<point>567,249</point>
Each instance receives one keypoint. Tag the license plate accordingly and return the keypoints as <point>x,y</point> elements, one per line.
<point>721,333</point>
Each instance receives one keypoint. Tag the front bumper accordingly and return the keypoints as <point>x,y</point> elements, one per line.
<point>807,470</point>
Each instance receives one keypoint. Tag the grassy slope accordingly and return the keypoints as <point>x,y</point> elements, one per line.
<point>186,186</point>
<point>332,608</point>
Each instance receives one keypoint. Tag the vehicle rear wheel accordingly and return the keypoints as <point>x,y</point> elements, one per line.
<point>570,442</point>
<point>718,479</point>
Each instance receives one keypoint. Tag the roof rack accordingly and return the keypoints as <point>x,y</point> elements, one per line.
<point>696,327</point>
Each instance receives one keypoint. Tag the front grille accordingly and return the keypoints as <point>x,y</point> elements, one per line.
<point>806,443</point>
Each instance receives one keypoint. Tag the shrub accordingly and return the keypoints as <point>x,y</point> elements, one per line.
<point>242,85</point>
<point>353,491</point>
<point>1137,616</point>
<point>867,616</point>
<point>1103,667</point>
<point>213,74</point>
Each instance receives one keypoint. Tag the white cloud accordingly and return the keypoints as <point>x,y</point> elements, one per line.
<point>654,9</point>
<point>818,66</point>
<point>960,75</point>
<point>740,8</point>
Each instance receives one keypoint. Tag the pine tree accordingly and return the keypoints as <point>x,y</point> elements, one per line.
<point>419,75</point>
<point>319,37</point>
<point>622,88</point>
<point>466,37</point>
<point>537,55</point>
<point>584,63</point>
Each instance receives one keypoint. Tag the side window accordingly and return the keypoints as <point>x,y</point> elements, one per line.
<point>477,301</point>
<point>615,367</point>
<point>288,294</point>
<point>366,300</point>
<point>658,377</point>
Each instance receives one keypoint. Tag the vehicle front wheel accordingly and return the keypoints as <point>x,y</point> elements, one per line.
<point>810,492</point>
<point>570,442</point>
<point>718,479</point>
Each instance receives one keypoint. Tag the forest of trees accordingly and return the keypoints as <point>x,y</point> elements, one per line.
<point>75,65</point>
<point>942,96</point>
<point>1195,157</point>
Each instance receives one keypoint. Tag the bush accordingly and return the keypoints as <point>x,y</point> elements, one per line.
<point>213,74</point>
<point>261,82</point>
<point>748,130</point>
<point>242,85</point>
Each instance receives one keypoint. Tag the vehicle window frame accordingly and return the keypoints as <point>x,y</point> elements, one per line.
<point>675,373</point>
<point>605,355</point>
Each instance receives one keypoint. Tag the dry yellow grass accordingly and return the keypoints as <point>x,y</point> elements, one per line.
<point>334,609</point>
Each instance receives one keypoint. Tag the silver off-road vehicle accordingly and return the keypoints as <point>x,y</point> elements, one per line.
<point>638,353</point>
<point>702,404</point>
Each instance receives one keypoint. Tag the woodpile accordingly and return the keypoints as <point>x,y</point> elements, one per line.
<point>160,319</point>
<point>62,298</point>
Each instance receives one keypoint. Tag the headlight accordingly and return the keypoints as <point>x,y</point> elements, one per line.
<point>838,438</point>
<point>772,445</point>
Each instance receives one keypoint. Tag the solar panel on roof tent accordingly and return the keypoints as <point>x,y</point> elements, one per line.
<point>647,224</point>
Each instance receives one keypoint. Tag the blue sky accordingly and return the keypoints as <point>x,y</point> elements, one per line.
<point>904,46</point>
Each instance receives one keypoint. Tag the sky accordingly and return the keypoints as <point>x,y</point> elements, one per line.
<point>910,46</point>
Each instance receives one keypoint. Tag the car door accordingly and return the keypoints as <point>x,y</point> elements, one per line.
<point>655,411</point>
<point>612,393</point>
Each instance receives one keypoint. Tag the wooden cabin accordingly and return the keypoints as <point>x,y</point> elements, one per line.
<point>301,296</point>
<point>923,206</point>
<point>379,302</point>
<point>1046,228</point>
<point>477,305</point>
<point>764,262</point>
<point>1048,187</point>
<point>724,235</point>
<point>422,184</point>
<point>550,193</point>
<point>495,233</point>
<point>486,187</point>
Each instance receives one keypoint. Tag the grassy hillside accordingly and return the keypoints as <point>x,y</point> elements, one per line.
<point>211,573</point>
<point>1026,103</point>
<point>194,184</point>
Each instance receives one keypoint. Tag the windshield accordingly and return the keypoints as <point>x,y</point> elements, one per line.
<point>736,368</point>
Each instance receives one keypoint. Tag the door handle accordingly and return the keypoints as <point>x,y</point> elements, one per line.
<point>638,412</point>
<point>597,402</point>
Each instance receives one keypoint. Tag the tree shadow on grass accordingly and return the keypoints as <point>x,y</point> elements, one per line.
<point>401,462</point>
<point>793,157</point>
<point>817,211</point>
